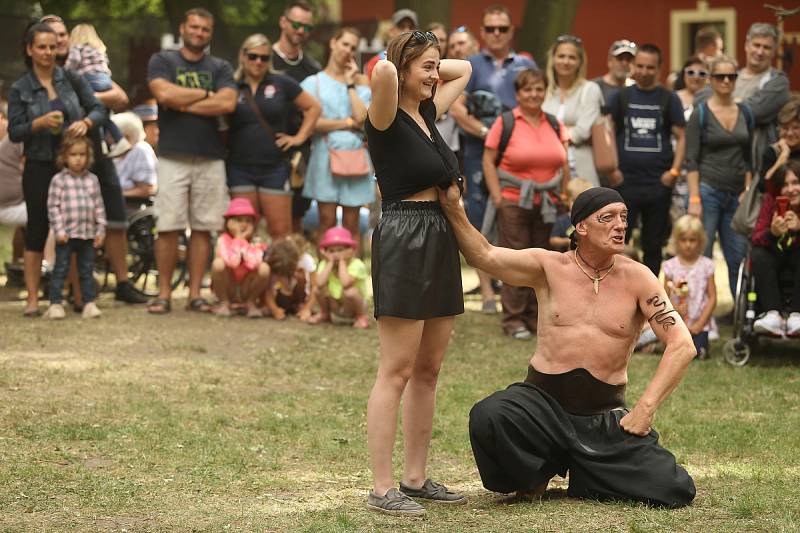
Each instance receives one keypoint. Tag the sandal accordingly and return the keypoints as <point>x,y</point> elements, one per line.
<point>199,305</point>
<point>362,322</point>
<point>221,310</point>
<point>254,312</point>
<point>32,313</point>
<point>159,306</point>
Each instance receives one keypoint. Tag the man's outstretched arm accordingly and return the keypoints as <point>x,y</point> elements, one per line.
<point>678,353</point>
<point>515,267</point>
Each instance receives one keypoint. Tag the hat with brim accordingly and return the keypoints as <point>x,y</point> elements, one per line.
<point>402,14</point>
<point>337,236</point>
<point>240,207</point>
<point>622,47</point>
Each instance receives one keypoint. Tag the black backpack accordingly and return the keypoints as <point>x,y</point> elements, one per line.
<point>508,126</point>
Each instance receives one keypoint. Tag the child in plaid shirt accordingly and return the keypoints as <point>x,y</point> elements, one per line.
<point>78,219</point>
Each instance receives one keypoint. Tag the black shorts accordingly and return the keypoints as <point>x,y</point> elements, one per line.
<point>416,270</point>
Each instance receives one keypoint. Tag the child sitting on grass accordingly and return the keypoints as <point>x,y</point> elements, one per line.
<point>239,273</point>
<point>559,240</point>
<point>292,284</point>
<point>78,220</point>
<point>342,279</point>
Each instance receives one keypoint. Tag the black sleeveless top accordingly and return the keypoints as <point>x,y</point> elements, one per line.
<point>406,160</point>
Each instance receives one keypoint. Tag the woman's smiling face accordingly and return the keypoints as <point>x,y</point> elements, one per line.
<point>422,75</point>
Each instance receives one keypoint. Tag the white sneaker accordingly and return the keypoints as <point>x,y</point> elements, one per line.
<point>55,312</point>
<point>772,322</point>
<point>90,310</point>
<point>793,324</point>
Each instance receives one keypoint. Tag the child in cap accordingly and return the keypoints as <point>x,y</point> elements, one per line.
<point>292,285</point>
<point>239,272</point>
<point>342,280</point>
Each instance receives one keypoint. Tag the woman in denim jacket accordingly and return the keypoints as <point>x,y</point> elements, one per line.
<point>43,105</point>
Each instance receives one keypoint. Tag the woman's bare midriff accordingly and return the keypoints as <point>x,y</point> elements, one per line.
<point>428,195</point>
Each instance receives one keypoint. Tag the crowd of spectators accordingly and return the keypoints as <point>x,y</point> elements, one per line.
<point>279,132</point>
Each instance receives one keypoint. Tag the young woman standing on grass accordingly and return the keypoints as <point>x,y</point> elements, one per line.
<point>416,272</point>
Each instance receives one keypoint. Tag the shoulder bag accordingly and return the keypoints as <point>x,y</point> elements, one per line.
<point>294,157</point>
<point>353,163</point>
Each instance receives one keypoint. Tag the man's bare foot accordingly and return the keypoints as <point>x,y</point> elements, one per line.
<point>361,322</point>
<point>526,496</point>
<point>319,318</point>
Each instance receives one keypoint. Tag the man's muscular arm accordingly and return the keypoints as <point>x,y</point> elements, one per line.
<point>670,329</point>
<point>516,267</point>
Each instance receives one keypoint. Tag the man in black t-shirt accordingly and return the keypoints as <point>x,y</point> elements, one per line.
<point>193,89</point>
<point>646,116</point>
<point>296,23</point>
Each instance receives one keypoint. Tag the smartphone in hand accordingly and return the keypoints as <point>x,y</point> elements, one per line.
<point>782,203</point>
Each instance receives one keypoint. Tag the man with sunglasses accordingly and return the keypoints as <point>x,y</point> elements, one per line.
<point>402,20</point>
<point>490,90</point>
<point>296,24</point>
<point>193,90</point>
<point>620,59</point>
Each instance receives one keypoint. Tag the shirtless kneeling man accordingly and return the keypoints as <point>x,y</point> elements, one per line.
<point>569,414</point>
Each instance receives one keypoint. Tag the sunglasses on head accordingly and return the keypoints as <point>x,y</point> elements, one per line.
<point>422,37</point>
<point>263,57</point>
<point>460,29</point>
<point>723,77</point>
<point>51,18</point>
<point>692,73</point>
<point>496,29</point>
<point>569,39</point>
<point>297,25</point>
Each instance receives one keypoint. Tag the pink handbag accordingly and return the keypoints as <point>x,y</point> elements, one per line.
<point>349,163</point>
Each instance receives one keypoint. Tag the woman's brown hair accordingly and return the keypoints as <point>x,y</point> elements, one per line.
<point>529,75</point>
<point>407,47</point>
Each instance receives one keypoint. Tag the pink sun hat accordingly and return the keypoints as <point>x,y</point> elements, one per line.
<point>240,207</point>
<point>338,236</point>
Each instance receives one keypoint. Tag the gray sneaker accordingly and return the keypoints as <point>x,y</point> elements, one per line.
<point>394,503</point>
<point>436,492</point>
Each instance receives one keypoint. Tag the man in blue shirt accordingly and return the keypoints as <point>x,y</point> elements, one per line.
<point>646,115</point>
<point>494,69</point>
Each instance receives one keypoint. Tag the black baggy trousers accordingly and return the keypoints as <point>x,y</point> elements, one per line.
<point>521,437</point>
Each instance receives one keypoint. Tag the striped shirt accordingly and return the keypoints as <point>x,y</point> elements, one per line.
<point>75,206</point>
<point>85,59</point>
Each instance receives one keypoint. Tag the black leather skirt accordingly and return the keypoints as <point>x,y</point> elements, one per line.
<point>416,270</point>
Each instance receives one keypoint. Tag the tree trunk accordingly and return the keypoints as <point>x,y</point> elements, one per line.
<point>544,20</point>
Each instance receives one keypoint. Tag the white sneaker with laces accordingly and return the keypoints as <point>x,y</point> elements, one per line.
<point>55,312</point>
<point>772,322</point>
<point>793,324</point>
<point>90,310</point>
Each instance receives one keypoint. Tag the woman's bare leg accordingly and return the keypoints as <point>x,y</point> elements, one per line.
<point>327,216</point>
<point>277,211</point>
<point>399,344</point>
<point>419,399</point>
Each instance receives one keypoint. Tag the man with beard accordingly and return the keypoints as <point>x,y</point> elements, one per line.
<point>116,244</point>
<point>296,23</point>
<point>646,116</point>
<point>620,58</point>
<point>569,414</point>
<point>192,89</point>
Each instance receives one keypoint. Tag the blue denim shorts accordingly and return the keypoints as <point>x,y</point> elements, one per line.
<point>266,180</point>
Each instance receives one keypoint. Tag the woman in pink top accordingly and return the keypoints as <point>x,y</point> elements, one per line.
<point>526,187</point>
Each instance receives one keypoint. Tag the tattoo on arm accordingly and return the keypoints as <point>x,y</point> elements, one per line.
<point>662,315</point>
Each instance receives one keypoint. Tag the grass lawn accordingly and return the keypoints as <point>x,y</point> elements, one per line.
<point>187,422</point>
<point>194,423</point>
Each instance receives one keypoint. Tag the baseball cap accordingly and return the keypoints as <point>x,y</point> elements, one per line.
<point>623,46</point>
<point>402,14</point>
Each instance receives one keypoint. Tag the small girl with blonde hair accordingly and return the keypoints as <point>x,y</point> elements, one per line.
<point>87,57</point>
<point>689,280</point>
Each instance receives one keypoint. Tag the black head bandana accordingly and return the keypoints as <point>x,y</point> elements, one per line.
<point>590,201</point>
